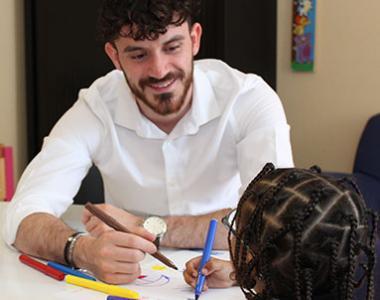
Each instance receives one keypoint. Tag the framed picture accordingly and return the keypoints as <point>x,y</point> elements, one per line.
<point>303,35</point>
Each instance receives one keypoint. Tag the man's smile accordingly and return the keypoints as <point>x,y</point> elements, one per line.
<point>162,86</point>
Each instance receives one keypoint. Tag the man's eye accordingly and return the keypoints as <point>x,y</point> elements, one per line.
<point>138,56</point>
<point>173,48</point>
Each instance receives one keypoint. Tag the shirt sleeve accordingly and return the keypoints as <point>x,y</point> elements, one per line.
<point>263,134</point>
<point>53,177</point>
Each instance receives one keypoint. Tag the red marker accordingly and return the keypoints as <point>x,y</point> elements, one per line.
<point>42,267</point>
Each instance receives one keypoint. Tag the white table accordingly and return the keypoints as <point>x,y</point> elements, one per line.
<point>18,281</point>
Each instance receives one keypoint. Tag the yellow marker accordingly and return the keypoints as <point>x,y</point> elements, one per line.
<point>158,268</point>
<point>109,289</point>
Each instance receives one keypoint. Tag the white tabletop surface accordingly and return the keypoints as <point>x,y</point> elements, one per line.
<point>18,281</point>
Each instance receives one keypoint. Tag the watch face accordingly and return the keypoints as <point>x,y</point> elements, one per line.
<point>155,225</point>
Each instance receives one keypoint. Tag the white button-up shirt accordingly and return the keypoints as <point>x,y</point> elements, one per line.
<point>235,125</point>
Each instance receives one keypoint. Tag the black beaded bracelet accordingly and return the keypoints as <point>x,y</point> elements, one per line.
<point>69,248</point>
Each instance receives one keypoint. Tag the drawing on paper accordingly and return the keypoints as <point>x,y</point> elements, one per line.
<point>155,279</point>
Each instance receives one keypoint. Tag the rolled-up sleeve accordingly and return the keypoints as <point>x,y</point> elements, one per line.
<point>53,177</point>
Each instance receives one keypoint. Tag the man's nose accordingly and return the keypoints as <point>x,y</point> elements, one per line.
<point>158,66</point>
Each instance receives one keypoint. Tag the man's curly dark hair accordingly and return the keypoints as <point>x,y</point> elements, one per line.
<point>148,18</point>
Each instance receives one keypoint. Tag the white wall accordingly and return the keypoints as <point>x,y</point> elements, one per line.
<point>327,109</point>
<point>12,81</point>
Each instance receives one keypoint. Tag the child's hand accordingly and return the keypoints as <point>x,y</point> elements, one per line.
<point>217,273</point>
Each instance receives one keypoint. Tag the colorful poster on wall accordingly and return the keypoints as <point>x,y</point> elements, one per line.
<point>303,35</point>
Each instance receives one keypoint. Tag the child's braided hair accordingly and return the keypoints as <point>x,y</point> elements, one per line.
<point>302,234</point>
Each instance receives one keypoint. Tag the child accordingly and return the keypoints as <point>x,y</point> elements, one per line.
<point>296,234</point>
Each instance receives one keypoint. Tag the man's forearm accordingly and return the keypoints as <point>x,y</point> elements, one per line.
<point>43,235</point>
<point>191,231</point>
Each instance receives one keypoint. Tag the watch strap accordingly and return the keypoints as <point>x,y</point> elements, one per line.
<point>69,248</point>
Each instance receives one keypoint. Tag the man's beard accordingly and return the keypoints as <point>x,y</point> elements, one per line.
<point>165,103</point>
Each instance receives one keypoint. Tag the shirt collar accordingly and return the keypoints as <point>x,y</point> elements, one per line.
<point>128,115</point>
<point>204,108</point>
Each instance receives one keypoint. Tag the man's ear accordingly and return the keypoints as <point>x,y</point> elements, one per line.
<point>195,34</point>
<point>112,53</point>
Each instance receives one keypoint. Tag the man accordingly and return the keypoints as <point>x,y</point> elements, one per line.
<point>171,138</point>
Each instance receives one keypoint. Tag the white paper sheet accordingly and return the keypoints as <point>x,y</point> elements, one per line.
<point>161,282</point>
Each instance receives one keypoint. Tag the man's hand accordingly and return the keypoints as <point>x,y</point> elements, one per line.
<point>96,227</point>
<point>113,256</point>
<point>218,273</point>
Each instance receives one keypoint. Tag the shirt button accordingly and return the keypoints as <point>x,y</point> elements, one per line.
<point>165,145</point>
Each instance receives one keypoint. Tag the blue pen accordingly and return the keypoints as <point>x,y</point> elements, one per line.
<point>205,257</point>
<point>116,298</point>
<point>68,270</point>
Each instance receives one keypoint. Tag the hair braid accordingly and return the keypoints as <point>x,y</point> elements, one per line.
<point>309,209</point>
<point>241,267</point>
<point>269,167</point>
<point>351,258</point>
<point>372,257</point>
<point>316,169</point>
<point>334,267</point>
<point>297,228</point>
<point>308,273</point>
<point>270,195</point>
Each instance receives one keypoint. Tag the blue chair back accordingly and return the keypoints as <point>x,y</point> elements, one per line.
<point>367,159</point>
